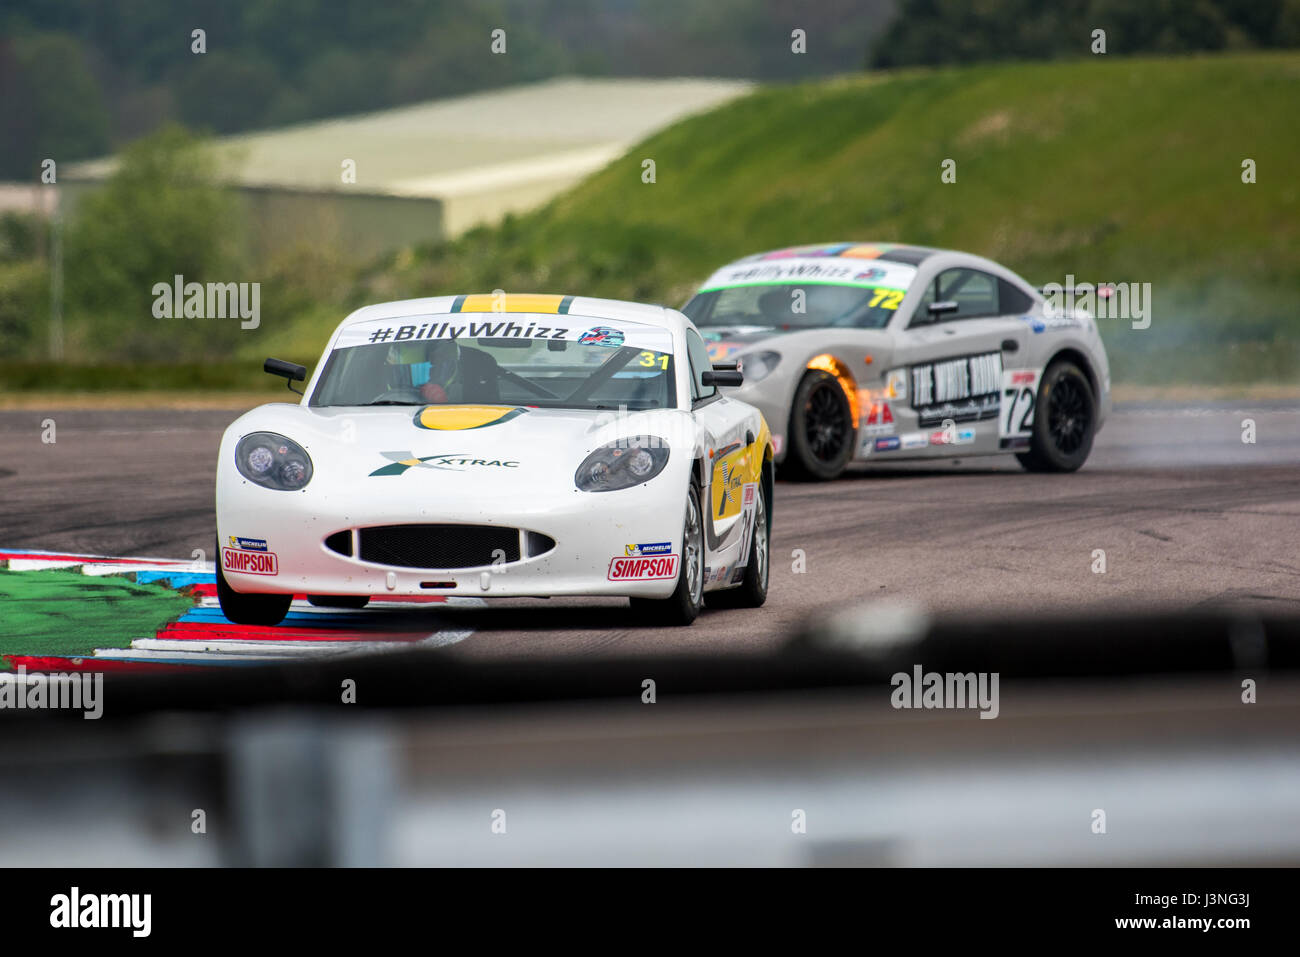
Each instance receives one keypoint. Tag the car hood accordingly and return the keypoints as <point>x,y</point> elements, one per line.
<point>464,446</point>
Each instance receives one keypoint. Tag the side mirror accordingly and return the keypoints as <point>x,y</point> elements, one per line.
<point>722,377</point>
<point>943,308</point>
<point>292,373</point>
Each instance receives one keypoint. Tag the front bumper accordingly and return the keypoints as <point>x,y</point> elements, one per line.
<point>590,530</point>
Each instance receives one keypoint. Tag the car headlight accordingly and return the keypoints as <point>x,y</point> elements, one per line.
<point>622,464</point>
<point>758,365</point>
<point>896,384</point>
<point>272,461</point>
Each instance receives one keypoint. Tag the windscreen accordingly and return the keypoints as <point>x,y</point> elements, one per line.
<point>514,360</point>
<point>803,293</point>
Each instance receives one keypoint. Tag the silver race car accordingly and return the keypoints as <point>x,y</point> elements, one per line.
<point>880,352</point>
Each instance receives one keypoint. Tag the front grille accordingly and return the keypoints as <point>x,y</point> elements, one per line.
<point>439,546</point>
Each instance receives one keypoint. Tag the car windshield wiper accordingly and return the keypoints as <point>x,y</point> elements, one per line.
<point>391,402</point>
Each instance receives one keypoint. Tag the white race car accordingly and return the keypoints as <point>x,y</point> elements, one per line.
<point>499,446</point>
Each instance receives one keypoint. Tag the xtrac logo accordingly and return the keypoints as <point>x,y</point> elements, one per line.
<point>455,462</point>
<point>730,485</point>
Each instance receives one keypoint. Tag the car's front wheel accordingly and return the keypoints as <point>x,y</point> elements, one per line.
<point>1065,421</point>
<point>821,429</point>
<point>683,605</point>
<point>249,609</point>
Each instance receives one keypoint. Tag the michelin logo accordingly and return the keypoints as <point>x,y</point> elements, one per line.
<point>248,544</point>
<point>654,548</point>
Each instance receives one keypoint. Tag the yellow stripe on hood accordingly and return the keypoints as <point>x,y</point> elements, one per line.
<point>487,302</point>
<point>456,418</point>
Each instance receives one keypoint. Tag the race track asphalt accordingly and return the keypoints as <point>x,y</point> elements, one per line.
<point>1187,514</point>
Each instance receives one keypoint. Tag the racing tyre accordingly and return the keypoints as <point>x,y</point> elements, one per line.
<point>821,430</point>
<point>249,609</point>
<point>1065,421</point>
<point>752,590</point>
<point>339,601</point>
<point>682,607</point>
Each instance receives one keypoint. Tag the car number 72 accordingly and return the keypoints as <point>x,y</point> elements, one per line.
<point>1018,399</point>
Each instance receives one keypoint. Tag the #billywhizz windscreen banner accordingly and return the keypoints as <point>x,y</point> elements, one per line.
<point>817,270</point>
<point>577,330</point>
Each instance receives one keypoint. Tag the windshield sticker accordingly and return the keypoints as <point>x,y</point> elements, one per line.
<point>602,336</point>
<point>829,270</point>
<point>515,327</point>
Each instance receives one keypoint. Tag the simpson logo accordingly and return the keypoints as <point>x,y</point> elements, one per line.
<point>251,544</point>
<point>653,548</point>
<point>642,569</point>
<point>250,563</point>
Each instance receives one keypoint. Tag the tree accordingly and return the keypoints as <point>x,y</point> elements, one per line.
<point>162,213</point>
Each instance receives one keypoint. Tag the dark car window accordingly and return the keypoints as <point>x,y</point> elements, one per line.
<point>1012,300</point>
<point>976,294</point>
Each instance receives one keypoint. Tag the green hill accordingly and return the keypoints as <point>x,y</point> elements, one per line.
<point>1109,169</point>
